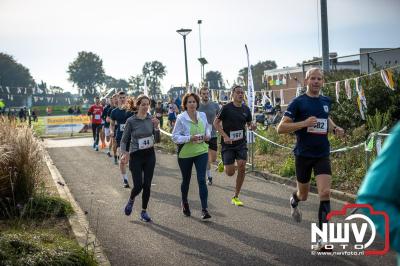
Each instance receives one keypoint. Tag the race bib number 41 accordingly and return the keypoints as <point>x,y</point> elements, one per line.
<point>320,128</point>
<point>236,135</point>
<point>145,143</point>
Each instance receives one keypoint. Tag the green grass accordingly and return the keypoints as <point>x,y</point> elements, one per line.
<point>40,247</point>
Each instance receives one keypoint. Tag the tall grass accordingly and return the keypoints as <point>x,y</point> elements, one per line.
<point>20,162</point>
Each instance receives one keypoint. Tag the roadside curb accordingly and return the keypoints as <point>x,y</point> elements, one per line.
<point>79,224</point>
<point>336,194</point>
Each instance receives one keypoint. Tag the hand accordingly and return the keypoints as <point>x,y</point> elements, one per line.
<point>155,121</point>
<point>227,140</point>
<point>338,131</point>
<point>253,126</point>
<point>112,134</point>
<point>124,158</point>
<point>310,122</point>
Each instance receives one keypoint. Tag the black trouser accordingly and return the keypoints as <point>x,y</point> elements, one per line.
<point>96,132</point>
<point>141,164</point>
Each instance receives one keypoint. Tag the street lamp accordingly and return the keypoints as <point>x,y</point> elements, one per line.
<point>201,59</point>
<point>185,32</point>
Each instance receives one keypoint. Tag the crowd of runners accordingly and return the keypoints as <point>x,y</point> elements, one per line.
<point>130,126</point>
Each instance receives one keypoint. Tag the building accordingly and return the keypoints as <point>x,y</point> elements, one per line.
<point>373,59</point>
<point>283,84</point>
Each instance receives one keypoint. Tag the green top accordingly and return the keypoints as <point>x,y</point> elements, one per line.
<point>381,187</point>
<point>191,149</point>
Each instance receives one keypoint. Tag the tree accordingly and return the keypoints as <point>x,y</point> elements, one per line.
<point>137,84</point>
<point>257,71</point>
<point>13,74</point>
<point>87,72</point>
<point>154,71</point>
<point>111,82</point>
<point>214,80</point>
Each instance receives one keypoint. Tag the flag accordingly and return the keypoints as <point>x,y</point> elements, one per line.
<point>337,89</point>
<point>347,87</point>
<point>387,77</point>
<point>250,85</point>
<point>361,100</point>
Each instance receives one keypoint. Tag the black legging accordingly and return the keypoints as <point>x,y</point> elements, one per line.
<point>141,164</point>
<point>96,131</point>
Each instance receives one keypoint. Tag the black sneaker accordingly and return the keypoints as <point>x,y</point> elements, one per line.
<point>115,161</point>
<point>109,154</point>
<point>126,184</point>
<point>205,215</point>
<point>185,209</point>
<point>209,182</point>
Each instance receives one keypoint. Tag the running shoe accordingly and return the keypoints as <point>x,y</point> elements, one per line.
<point>115,161</point>
<point>94,145</point>
<point>236,201</point>
<point>96,148</point>
<point>186,209</point>
<point>205,215</point>
<point>109,154</point>
<point>129,207</point>
<point>145,217</point>
<point>209,182</point>
<point>321,246</point>
<point>294,210</point>
<point>126,183</point>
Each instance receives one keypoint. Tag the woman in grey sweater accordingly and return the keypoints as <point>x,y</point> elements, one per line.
<point>138,133</point>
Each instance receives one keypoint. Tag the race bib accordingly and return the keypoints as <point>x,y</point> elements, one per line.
<point>320,128</point>
<point>236,135</point>
<point>121,127</point>
<point>97,117</point>
<point>158,115</point>
<point>145,143</point>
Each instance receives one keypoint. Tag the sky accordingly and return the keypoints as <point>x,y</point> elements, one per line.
<point>46,35</point>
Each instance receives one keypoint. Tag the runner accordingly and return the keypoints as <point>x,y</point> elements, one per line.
<point>103,103</point>
<point>118,118</point>
<point>380,188</point>
<point>211,109</point>
<point>234,116</point>
<point>137,144</point>
<point>308,116</point>
<point>95,112</point>
<point>106,125</point>
<point>113,144</point>
<point>190,132</point>
<point>172,111</point>
<point>159,112</point>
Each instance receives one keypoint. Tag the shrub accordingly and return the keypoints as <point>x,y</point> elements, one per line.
<point>20,162</point>
<point>19,247</point>
<point>288,168</point>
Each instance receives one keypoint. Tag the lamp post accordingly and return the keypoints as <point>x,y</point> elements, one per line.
<point>185,32</point>
<point>201,59</point>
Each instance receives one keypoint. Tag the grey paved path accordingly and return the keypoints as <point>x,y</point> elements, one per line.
<point>260,233</point>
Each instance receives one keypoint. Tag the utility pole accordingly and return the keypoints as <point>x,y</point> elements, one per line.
<point>201,59</point>
<point>324,33</point>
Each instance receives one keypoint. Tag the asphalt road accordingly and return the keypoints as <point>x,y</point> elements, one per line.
<point>260,233</point>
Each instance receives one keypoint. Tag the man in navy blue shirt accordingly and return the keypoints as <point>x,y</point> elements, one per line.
<point>308,116</point>
<point>118,119</point>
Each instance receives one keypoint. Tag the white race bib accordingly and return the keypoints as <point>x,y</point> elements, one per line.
<point>121,127</point>
<point>236,135</point>
<point>145,143</point>
<point>97,117</point>
<point>320,128</point>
